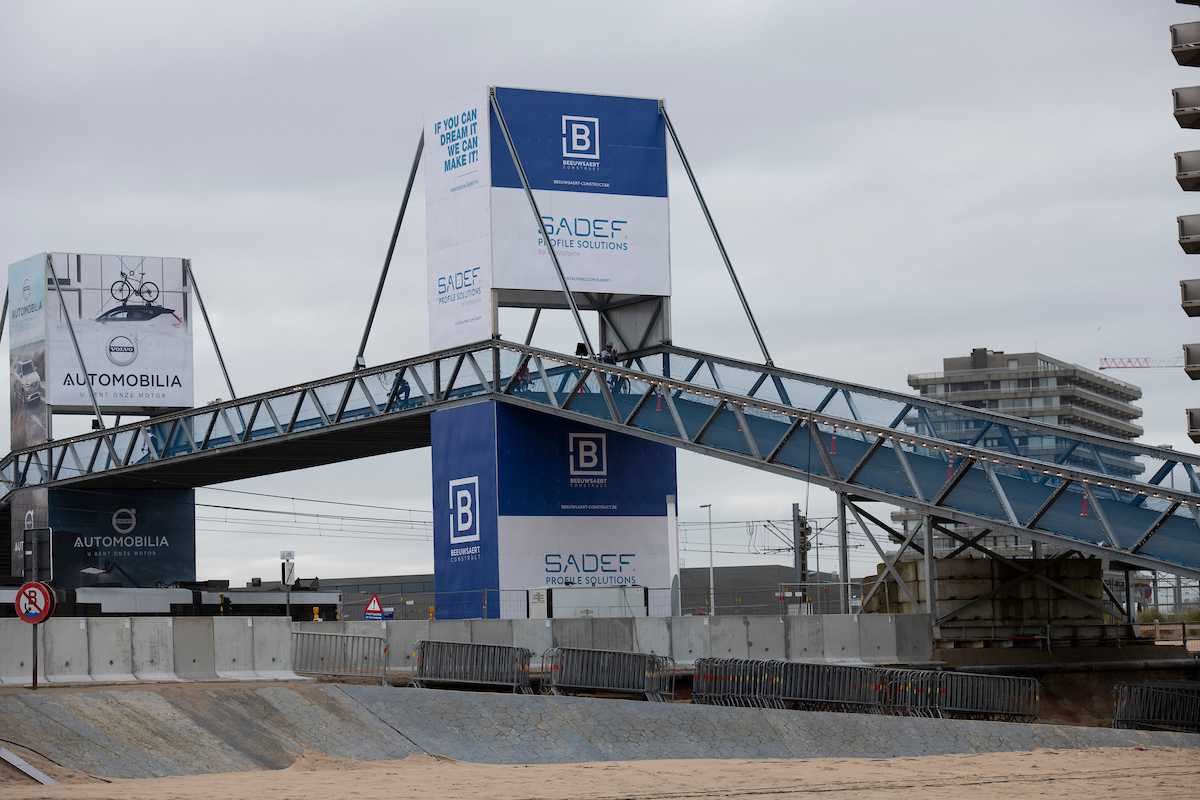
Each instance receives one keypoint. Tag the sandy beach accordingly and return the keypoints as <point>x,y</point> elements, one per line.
<point>1158,772</point>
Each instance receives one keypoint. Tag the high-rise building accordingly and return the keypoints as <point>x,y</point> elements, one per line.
<point>1038,388</point>
<point>1044,390</point>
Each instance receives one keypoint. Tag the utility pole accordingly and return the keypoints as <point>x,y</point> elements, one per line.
<point>712,598</point>
<point>800,547</point>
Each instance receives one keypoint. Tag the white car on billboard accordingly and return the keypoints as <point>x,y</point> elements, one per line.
<point>26,382</point>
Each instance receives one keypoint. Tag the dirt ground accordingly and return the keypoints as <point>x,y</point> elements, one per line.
<point>1154,772</point>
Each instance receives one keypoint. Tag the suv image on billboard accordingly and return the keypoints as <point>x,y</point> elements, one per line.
<point>26,382</point>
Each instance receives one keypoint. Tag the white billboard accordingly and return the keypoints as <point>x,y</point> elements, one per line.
<point>598,169</point>
<point>131,316</point>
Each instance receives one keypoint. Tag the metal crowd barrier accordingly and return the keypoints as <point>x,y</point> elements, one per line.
<point>965,695</point>
<point>457,663</point>
<point>340,654</point>
<point>736,682</point>
<point>833,687</point>
<point>1157,706</point>
<point>573,669</point>
<point>864,690</point>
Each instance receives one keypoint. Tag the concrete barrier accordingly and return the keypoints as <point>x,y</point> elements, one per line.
<point>403,634</point>
<point>194,647</point>
<point>16,653</point>
<point>66,650</point>
<point>877,638</point>
<point>572,633</point>
<point>450,630</point>
<point>154,649</point>
<point>369,627</point>
<point>728,637</point>
<point>272,641</point>
<point>840,635</point>
<point>110,648</point>
<point>652,635</point>
<point>689,639</point>
<point>805,639</point>
<point>766,638</point>
<point>536,636</point>
<point>233,643</point>
<point>492,631</point>
<point>613,633</point>
<point>914,638</point>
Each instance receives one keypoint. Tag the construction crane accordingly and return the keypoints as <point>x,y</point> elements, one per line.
<point>1141,363</point>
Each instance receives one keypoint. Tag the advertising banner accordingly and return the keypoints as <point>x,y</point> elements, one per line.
<point>27,351</point>
<point>128,537</point>
<point>458,221</point>
<point>522,499</point>
<point>132,320</point>
<point>598,169</point>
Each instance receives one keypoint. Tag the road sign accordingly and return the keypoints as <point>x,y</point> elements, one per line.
<point>35,602</point>
<point>373,609</point>
<point>287,555</point>
<point>1146,590</point>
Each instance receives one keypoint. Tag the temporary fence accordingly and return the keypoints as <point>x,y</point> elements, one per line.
<point>736,682</point>
<point>864,690</point>
<point>462,664</point>
<point>573,669</point>
<point>340,654</point>
<point>1157,706</point>
<point>965,695</point>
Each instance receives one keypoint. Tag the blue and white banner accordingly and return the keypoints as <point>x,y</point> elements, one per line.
<point>523,499</point>
<point>598,169</point>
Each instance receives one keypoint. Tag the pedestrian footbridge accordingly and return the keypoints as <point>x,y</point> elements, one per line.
<point>1092,494</point>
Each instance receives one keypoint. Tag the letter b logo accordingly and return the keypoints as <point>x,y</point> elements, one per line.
<point>464,515</point>
<point>588,453</point>
<point>581,137</point>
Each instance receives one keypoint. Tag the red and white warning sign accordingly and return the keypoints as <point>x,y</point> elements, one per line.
<point>35,602</point>
<point>373,609</point>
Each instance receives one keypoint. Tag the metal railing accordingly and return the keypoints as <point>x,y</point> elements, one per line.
<point>830,597</point>
<point>964,695</point>
<point>574,669</point>
<point>340,654</point>
<point>872,443</point>
<point>864,690</point>
<point>461,664</point>
<point>1157,706</point>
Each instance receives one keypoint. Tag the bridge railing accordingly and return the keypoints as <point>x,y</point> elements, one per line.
<point>963,464</point>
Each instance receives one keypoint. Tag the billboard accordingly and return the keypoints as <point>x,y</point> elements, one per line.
<point>131,316</point>
<point>523,500</point>
<point>27,351</point>
<point>598,169</point>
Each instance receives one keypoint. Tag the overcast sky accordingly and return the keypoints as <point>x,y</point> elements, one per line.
<point>895,182</point>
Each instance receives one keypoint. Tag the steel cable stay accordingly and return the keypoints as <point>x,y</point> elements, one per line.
<point>874,445</point>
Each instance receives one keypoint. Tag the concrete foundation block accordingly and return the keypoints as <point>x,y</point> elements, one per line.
<point>16,653</point>
<point>66,649</point>
<point>272,644</point>
<point>154,649</point>
<point>766,637</point>
<point>450,630</point>
<point>572,633</point>
<point>728,637</point>
<point>652,635</point>
<point>804,638</point>
<point>195,653</point>
<point>233,646</point>
<point>492,631</point>
<point>689,639</point>
<point>535,635</point>
<point>110,648</point>
<point>877,637</point>
<point>840,632</point>
<point>403,634</point>
<point>613,634</point>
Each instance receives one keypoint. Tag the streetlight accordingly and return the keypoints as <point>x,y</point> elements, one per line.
<point>712,600</point>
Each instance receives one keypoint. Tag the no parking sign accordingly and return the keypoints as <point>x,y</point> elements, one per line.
<point>1145,590</point>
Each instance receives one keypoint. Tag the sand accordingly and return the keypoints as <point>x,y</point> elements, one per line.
<point>1157,772</point>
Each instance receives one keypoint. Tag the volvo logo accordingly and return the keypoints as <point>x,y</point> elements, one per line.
<point>122,350</point>
<point>26,289</point>
<point>124,520</point>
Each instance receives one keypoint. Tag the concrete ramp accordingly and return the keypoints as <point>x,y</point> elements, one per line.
<point>187,729</point>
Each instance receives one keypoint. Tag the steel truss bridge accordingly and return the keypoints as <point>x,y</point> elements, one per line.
<point>864,444</point>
